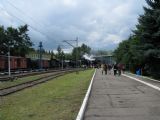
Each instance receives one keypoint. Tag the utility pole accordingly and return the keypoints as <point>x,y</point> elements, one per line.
<point>74,46</point>
<point>61,56</point>
<point>62,61</point>
<point>40,55</point>
<point>9,57</point>
<point>77,52</point>
<point>9,63</point>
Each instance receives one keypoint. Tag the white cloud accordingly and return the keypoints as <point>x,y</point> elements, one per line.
<point>5,14</point>
<point>121,10</point>
<point>70,2</point>
<point>93,36</point>
<point>112,39</point>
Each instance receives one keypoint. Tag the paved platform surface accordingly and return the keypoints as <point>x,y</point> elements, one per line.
<point>121,98</point>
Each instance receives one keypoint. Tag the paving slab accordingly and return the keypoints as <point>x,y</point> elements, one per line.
<point>120,98</point>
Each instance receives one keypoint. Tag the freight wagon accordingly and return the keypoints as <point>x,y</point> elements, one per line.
<point>15,63</point>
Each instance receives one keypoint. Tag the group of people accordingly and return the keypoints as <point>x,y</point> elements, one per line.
<point>105,68</point>
<point>116,69</point>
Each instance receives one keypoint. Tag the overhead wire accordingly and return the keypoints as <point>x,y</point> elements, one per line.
<point>34,28</point>
<point>31,18</point>
<point>23,21</point>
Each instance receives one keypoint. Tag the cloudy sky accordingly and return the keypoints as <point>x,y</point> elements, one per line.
<point>101,24</point>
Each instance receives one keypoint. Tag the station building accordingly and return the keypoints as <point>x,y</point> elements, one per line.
<point>105,59</point>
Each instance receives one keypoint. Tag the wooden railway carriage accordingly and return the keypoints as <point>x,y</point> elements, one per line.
<point>2,62</point>
<point>16,63</point>
<point>45,63</point>
<point>33,61</point>
<point>30,61</point>
<point>21,63</point>
<point>13,62</point>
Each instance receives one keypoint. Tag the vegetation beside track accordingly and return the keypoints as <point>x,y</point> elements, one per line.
<point>59,99</point>
<point>20,80</point>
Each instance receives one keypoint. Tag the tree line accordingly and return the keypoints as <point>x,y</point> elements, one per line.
<point>18,42</point>
<point>15,40</point>
<point>142,48</point>
<point>77,53</point>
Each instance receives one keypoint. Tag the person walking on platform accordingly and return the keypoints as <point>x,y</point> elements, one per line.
<point>102,68</point>
<point>115,69</point>
<point>109,68</point>
<point>119,70</point>
<point>123,69</point>
<point>105,68</point>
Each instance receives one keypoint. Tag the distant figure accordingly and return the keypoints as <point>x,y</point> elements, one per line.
<point>109,68</point>
<point>115,69</point>
<point>138,72</point>
<point>123,68</point>
<point>105,68</point>
<point>102,68</point>
<point>119,70</point>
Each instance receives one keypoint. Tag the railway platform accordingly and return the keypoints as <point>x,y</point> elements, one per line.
<point>122,98</point>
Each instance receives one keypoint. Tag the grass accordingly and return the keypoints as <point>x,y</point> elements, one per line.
<point>21,80</point>
<point>59,99</point>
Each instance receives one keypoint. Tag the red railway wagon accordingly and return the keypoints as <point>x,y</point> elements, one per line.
<point>15,63</point>
<point>45,63</point>
<point>18,63</point>
<point>2,62</point>
<point>21,63</point>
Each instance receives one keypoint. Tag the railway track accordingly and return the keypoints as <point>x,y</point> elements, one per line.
<point>6,78</point>
<point>12,89</point>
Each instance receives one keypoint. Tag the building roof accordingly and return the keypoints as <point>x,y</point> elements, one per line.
<point>35,56</point>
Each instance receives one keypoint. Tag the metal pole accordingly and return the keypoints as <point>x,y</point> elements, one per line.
<point>9,63</point>
<point>61,58</point>
<point>77,52</point>
<point>62,62</point>
<point>40,55</point>
<point>75,48</point>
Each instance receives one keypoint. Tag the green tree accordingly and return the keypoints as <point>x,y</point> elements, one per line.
<point>76,53</point>
<point>85,49</point>
<point>122,51</point>
<point>3,41</point>
<point>148,33</point>
<point>68,56</point>
<point>80,51</point>
<point>59,52</point>
<point>143,48</point>
<point>16,39</point>
<point>52,55</point>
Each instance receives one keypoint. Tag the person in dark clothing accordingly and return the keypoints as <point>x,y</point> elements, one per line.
<point>105,68</point>
<point>115,69</point>
<point>119,70</point>
<point>123,69</point>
